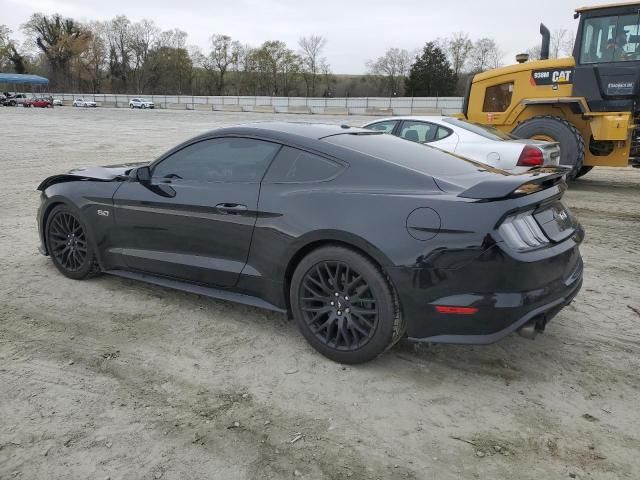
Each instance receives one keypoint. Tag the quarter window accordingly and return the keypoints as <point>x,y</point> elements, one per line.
<point>498,97</point>
<point>293,165</point>
<point>219,160</point>
<point>443,133</point>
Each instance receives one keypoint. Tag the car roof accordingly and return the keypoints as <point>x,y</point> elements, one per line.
<point>424,118</point>
<point>314,131</point>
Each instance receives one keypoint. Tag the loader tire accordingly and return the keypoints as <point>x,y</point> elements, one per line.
<point>583,171</point>
<point>563,132</point>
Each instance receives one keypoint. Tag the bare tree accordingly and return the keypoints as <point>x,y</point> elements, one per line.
<point>143,37</point>
<point>223,53</point>
<point>393,66</point>
<point>485,55</point>
<point>457,47</point>
<point>94,59</point>
<point>311,60</point>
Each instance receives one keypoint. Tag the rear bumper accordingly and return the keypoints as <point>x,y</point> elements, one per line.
<point>540,316</point>
<point>508,293</point>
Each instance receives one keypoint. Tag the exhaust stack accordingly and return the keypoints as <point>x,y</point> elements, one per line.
<point>546,40</point>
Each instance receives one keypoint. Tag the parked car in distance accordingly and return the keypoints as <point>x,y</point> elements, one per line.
<point>141,103</point>
<point>57,102</point>
<point>362,237</point>
<point>471,140</point>
<point>16,99</point>
<point>81,102</point>
<point>39,102</point>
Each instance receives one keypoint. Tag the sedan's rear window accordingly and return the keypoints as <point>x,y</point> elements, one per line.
<point>415,156</point>
<point>485,131</point>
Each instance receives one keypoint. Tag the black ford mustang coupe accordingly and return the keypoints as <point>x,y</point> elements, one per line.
<point>362,237</point>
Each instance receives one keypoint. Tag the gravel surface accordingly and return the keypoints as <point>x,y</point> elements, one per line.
<point>110,378</point>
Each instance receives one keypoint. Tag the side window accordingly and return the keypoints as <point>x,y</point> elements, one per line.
<point>386,126</point>
<point>443,133</point>
<point>293,165</point>
<point>219,160</point>
<point>498,97</point>
<point>418,131</point>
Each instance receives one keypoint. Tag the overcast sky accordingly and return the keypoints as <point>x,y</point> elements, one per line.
<point>356,30</point>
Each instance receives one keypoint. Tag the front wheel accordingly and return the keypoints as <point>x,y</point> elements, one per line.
<point>344,305</point>
<point>69,244</point>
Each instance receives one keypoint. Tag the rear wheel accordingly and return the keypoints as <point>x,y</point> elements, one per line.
<point>556,129</point>
<point>68,244</point>
<point>344,305</point>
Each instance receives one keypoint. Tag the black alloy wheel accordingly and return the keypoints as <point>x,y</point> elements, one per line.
<point>68,244</point>
<point>344,305</point>
<point>338,305</point>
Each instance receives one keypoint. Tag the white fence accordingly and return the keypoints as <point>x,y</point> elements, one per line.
<point>346,106</point>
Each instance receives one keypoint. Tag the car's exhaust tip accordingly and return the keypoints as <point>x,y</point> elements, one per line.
<point>528,330</point>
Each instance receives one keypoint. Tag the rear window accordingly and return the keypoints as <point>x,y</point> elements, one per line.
<point>415,156</point>
<point>485,131</point>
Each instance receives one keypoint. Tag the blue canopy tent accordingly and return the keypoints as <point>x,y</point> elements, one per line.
<point>21,79</point>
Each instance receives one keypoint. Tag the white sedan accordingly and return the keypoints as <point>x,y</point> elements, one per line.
<point>471,140</point>
<point>141,103</point>
<point>81,102</point>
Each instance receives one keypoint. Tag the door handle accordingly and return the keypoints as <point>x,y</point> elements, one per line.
<point>231,208</point>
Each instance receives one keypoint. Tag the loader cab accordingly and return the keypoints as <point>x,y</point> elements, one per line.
<point>607,57</point>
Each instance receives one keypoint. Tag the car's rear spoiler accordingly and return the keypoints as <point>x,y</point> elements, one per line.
<point>516,185</point>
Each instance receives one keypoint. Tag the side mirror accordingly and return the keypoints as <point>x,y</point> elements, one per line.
<point>143,175</point>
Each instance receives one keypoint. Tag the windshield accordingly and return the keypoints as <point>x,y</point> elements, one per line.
<point>610,39</point>
<point>485,131</point>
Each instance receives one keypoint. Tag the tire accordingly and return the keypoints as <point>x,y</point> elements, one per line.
<point>583,171</point>
<point>73,255</point>
<point>330,275</point>
<point>131,106</point>
<point>570,139</point>
<point>143,106</point>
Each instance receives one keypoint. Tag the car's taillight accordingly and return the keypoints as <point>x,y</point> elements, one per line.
<point>530,157</point>
<point>522,232</point>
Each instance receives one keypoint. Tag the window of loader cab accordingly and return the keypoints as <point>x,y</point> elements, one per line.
<point>498,97</point>
<point>610,39</point>
<point>293,165</point>
<point>219,160</point>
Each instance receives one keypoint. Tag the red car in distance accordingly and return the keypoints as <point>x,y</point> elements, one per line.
<point>39,103</point>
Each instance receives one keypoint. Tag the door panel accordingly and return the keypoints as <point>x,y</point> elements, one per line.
<point>194,219</point>
<point>186,236</point>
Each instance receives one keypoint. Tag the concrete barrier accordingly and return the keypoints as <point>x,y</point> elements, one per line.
<point>299,109</point>
<point>426,111</point>
<point>107,104</point>
<point>203,107</point>
<point>228,108</point>
<point>336,111</point>
<point>264,109</point>
<point>177,106</point>
<point>379,111</point>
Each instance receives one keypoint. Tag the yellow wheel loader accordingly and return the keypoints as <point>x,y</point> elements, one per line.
<point>589,103</point>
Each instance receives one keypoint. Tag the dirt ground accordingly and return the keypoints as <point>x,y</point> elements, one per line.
<point>109,378</point>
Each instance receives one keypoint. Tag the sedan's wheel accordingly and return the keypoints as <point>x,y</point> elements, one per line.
<point>68,244</point>
<point>344,305</point>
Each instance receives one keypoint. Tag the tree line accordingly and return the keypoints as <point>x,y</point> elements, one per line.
<point>122,56</point>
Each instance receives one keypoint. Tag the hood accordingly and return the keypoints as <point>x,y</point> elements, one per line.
<point>107,173</point>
